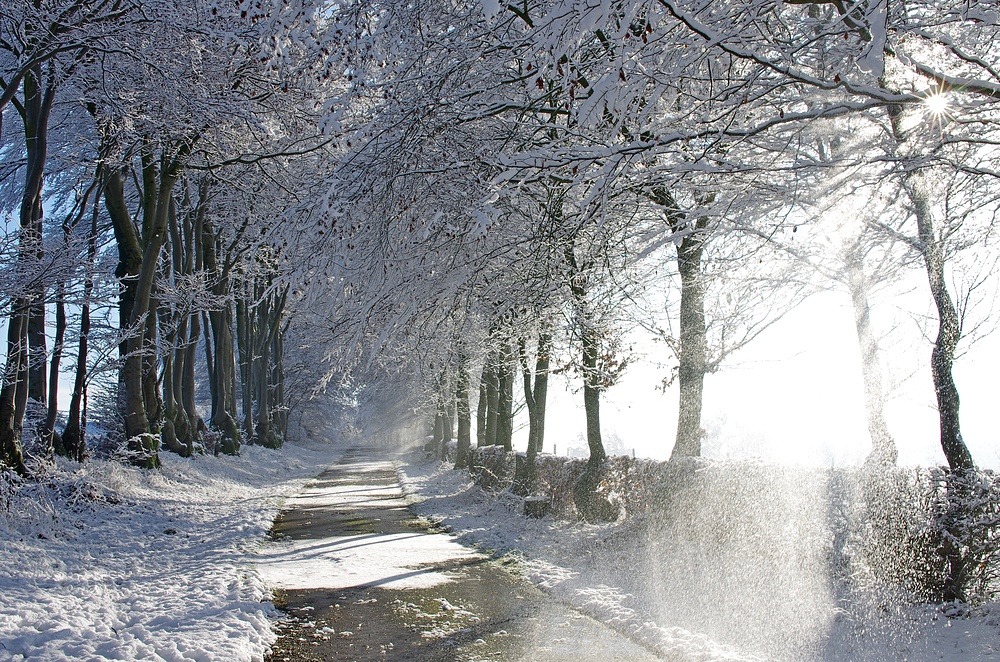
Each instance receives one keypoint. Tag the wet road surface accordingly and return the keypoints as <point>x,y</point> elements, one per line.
<point>361,578</point>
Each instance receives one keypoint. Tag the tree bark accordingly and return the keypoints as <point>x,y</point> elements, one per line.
<point>261,370</point>
<point>268,313</point>
<point>534,398</point>
<point>492,379</point>
<point>23,325</point>
<point>128,244</point>
<point>541,387</point>
<point>223,364</point>
<point>209,342</point>
<point>140,397</point>
<point>38,99</point>
<point>15,369</point>
<point>949,327</point>
<point>481,407</point>
<point>188,384</point>
<point>74,434</point>
<point>280,415</point>
<point>692,356</point>
<point>592,397</point>
<point>246,386</point>
<point>942,359</point>
<point>193,264</point>
<point>949,332</point>
<point>52,439</point>
<point>589,503</point>
<point>590,355</point>
<point>463,413</point>
<point>505,398</point>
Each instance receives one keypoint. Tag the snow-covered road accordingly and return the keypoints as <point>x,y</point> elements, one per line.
<point>362,578</point>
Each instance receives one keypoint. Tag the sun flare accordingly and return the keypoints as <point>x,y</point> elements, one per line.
<point>937,104</point>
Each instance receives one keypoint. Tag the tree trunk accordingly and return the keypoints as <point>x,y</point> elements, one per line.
<point>138,377</point>
<point>206,328</point>
<point>534,398</point>
<point>262,360</point>
<point>188,384</point>
<point>441,423</point>
<point>223,366</point>
<point>692,356</point>
<point>151,395</point>
<point>74,438</point>
<point>437,436</point>
<point>246,386</point>
<point>942,359</point>
<point>592,397</point>
<point>883,451</point>
<point>37,108</point>
<point>224,394</point>
<point>691,359</point>
<point>193,264</point>
<point>949,328</point>
<point>52,439</point>
<point>278,380</point>
<point>464,414</point>
<point>541,388</point>
<point>129,248</point>
<point>529,393</point>
<point>22,329</point>
<point>592,507</point>
<point>268,313</point>
<point>38,361</point>
<point>949,332</point>
<point>481,408</point>
<point>505,398</point>
<point>590,346</point>
<point>172,429</point>
<point>15,369</point>
<point>449,420</point>
<point>492,379</point>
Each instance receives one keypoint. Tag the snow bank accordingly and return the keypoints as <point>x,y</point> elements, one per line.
<point>105,562</point>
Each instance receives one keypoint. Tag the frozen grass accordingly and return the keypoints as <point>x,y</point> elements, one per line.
<point>709,580</point>
<point>104,562</point>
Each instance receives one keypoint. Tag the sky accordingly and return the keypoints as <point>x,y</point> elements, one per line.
<point>795,395</point>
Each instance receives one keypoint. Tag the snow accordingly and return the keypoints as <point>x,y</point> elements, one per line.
<point>105,562</point>
<point>557,556</point>
<point>703,596</point>
<point>392,560</point>
<point>389,561</point>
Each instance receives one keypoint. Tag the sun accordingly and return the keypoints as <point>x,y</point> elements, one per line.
<point>937,104</point>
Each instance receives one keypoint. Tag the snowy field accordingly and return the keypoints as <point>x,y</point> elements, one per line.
<point>655,587</point>
<point>105,562</point>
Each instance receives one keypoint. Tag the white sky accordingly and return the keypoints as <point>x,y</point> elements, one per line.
<point>795,395</point>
